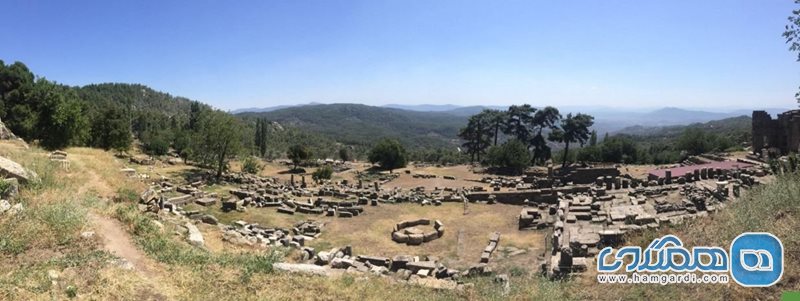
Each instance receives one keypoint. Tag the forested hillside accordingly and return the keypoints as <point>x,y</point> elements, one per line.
<point>359,125</point>
<point>669,144</point>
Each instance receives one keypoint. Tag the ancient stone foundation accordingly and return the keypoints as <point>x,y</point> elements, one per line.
<point>407,233</point>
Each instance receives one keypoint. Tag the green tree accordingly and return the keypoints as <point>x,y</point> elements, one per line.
<point>111,129</point>
<point>545,118</point>
<point>792,36</point>
<point>476,135</point>
<point>593,138</point>
<point>262,130</point>
<point>619,149</point>
<point>218,139</point>
<point>62,118</point>
<point>512,156</point>
<point>694,141</point>
<point>572,129</point>
<point>16,109</point>
<point>518,122</point>
<point>344,154</point>
<point>389,153</point>
<point>156,142</point>
<point>183,143</point>
<point>494,119</point>
<point>298,153</point>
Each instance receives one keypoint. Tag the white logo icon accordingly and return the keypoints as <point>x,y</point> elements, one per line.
<point>763,263</point>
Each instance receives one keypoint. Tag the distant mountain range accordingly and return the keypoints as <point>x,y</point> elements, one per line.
<point>423,108</point>
<point>435,126</point>
<point>607,120</point>
<point>270,109</point>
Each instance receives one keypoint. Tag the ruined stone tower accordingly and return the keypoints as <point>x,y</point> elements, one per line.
<point>780,136</point>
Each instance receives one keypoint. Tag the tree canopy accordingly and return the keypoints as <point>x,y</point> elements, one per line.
<point>573,129</point>
<point>298,153</point>
<point>512,156</point>
<point>389,154</point>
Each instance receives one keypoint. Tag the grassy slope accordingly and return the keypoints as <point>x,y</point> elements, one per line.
<point>46,237</point>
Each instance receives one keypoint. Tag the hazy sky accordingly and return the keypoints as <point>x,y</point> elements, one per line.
<point>235,54</point>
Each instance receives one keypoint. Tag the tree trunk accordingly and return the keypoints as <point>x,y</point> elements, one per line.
<point>566,151</point>
<point>221,161</point>
<point>496,129</point>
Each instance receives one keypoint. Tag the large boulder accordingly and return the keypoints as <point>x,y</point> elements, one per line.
<point>209,219</point>
<point>12,169</point>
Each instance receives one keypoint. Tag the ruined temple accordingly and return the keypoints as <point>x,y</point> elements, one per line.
<point>778,136</point>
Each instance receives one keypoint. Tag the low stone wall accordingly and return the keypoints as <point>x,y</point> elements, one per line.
<point>589,175</point>
<point>401,235</point>
<point>534,196</point>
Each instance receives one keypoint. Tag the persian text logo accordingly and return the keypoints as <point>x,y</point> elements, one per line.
<point>756,259</point>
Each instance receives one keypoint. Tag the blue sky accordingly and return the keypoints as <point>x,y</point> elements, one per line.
<point>235,54</point>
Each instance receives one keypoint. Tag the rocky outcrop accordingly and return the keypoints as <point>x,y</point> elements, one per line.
<point>13,169</point>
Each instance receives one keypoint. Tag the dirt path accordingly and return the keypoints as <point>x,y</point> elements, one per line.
<point>113,235</point>
<point>118,242</point>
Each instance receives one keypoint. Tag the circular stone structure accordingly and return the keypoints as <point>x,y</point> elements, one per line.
<point>406,232</point>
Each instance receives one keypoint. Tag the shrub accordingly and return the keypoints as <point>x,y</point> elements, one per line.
<point>63,219</point>
<point>72,291</point>
<point>126,195</point>
<point>250,165</point>
<point>323,173</point>
<point>511,157</point>
<point>4,187</point>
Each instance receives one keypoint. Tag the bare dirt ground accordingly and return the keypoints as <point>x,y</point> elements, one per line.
<point>463,174</point>
<point>465,236</point>
<point>119,243</point>
<point>370,233</point>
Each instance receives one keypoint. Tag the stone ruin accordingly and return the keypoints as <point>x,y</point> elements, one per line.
<point>775,136</point>
<point>582,218</point>
<point>256,235</point>
<point>426,271</point>
<point>407,232</point>
<point>60,157</point>
<point>586,222</point>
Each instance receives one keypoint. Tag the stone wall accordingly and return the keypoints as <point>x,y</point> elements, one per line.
<point>781,135</point>
<point>534,196</point>
<point>589,175</point>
